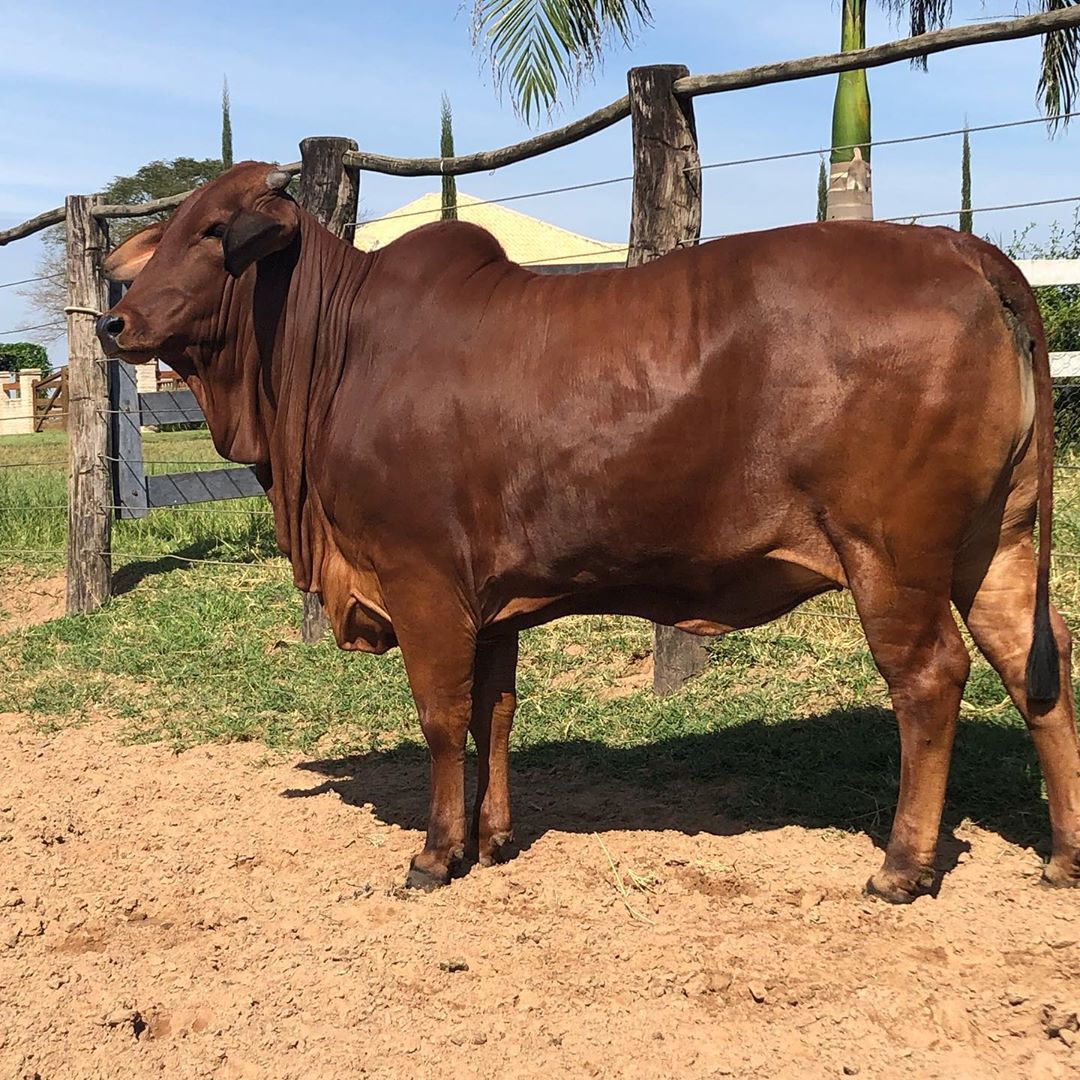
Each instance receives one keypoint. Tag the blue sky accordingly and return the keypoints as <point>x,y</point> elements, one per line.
<point>87,96</point>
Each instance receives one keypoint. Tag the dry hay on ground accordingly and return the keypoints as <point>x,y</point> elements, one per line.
<point>212,913</point>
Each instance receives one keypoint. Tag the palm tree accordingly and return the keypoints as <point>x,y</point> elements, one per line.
<point>850,194</point>
<point>537,47</point>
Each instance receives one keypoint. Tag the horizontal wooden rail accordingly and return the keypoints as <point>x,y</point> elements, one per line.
<point>211,485</point>
<point>35,224</point>
<point>170,407</point>
<point>877,55</point>
<point>494,159</point>
<point>126,210</point>
<point>154,206</point>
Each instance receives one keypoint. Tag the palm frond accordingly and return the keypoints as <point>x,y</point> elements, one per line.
<point>922,16</point>
<point>536,46</point>
<point>1058,75</point>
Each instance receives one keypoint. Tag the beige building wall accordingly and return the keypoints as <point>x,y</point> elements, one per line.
<point>146,378</point>
<point>17,412</point>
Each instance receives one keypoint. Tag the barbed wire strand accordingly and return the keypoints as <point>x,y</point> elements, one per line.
<point>265,562</point>
<point>198,508</point>
<point>761,159</point>
<point>168,461</point>
<point>32,464</point>
<point>26,329</point>
<point>194,508</point>
<point>551,260</point>
<point>883,142</point>
<point>30,280</point>
<point>691,240</point>
<point>983,209</point>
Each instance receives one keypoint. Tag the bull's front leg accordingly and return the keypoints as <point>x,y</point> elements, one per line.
<point>438,645</point>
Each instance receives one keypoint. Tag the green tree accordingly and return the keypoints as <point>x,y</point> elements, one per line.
<point>446,149</point>
<point>23,356</point>
<point>822,190</point>
<point>226,127</point>
<point>154,180</point>
<point>967,221</point>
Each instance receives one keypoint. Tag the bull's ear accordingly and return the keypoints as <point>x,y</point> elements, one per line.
<point>133,254</point>
<point>251,236</point>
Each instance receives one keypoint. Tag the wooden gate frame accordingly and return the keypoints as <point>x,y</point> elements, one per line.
<point>57,401</point>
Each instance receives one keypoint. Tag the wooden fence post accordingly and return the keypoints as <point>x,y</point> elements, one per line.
<point>89,534</point>
<point>665,213</point>
<point>329,190</point>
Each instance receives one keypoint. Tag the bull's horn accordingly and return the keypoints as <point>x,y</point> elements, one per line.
<point>277,180</point>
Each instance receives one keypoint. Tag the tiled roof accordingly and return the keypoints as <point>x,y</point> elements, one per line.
<point>526,239</point>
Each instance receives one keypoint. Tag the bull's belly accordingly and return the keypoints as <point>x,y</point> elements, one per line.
<point>744,594</point>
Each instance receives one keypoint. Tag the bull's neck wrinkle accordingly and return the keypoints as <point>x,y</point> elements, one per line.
<point>300,313</point>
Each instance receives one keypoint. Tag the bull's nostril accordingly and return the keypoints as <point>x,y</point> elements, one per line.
<point>109,328</point>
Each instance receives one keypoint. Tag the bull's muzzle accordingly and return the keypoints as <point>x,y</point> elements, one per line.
<point>109,328</point>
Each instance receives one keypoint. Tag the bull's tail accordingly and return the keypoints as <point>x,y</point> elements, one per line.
<point>1043,676</point>
<point>1022,314</point>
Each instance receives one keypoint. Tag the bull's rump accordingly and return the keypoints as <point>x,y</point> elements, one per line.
<point>683,428</point>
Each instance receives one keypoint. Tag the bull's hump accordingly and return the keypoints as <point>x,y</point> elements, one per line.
<point>449,241</point>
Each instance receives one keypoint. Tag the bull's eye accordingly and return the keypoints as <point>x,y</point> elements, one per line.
<point>217,231</point>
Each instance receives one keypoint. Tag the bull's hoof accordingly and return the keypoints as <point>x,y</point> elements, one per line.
<point>896,889</point>
<point>1062,874</point>
<point>425,880</point>
<point>499,849</point>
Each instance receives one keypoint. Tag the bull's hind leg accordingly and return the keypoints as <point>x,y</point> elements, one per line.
<point>494,698</point>
<point>997,604</point>
<point>920,653</point>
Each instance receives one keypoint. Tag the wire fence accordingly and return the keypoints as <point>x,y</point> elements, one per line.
<point>792,155</point>
<point>30,280</point>
<point>1067,393</point>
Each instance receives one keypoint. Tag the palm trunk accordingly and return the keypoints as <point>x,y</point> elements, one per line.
<point>849,174</point>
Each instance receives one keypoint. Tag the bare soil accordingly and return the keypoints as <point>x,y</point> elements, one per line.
<point>27,599</point>
<point>219,913</point>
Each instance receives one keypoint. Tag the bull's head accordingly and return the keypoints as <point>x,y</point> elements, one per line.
<point>180,269</point>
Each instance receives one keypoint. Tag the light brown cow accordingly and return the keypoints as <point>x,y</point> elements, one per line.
<point>456,448</point>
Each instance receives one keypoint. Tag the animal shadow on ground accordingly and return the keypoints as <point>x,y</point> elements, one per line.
<point>837,770</point>
<point>130,574</point>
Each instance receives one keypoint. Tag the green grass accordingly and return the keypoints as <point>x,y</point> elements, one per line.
<point>790,722</point>
<point>33,521</point>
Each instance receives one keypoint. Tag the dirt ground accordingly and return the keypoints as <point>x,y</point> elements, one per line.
<point>224,914</point>
<point>27,599</point>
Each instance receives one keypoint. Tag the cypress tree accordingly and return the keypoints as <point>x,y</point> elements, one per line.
<point>822,191</point>
<point>226,127</point>
<point>446,149</point>
<point>966,219</point>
